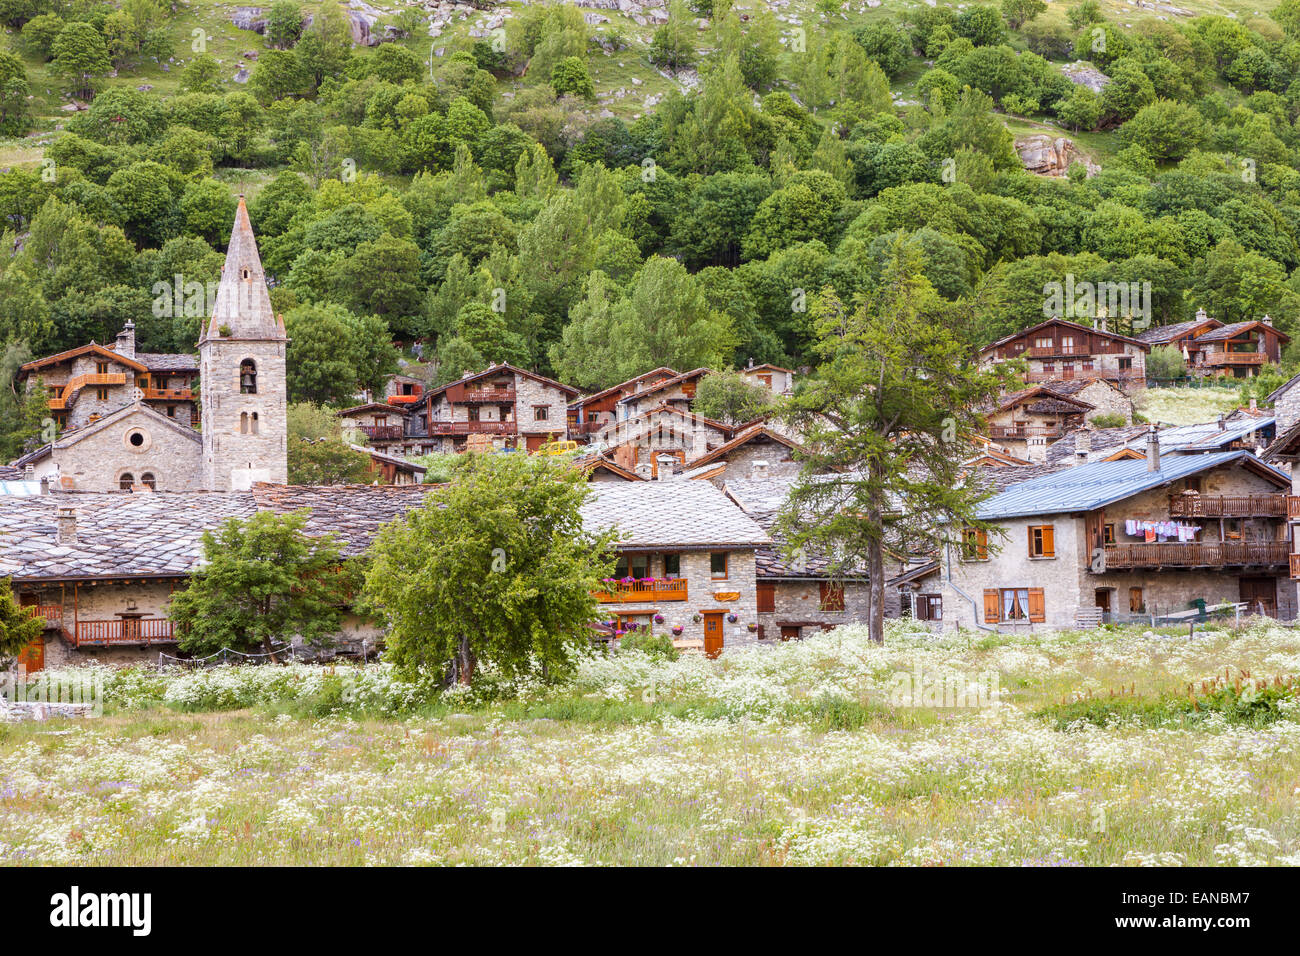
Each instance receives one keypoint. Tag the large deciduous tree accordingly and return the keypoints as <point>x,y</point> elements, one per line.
<point>263,581</point>
<point>883,421</point>
<point>495,568</point>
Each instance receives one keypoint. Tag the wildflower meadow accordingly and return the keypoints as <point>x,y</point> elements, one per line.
<point>1128,747</point>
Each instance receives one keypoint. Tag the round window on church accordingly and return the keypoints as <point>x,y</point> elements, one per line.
<point>137,440</point>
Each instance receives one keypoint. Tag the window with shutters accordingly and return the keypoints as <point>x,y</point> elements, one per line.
<point>832,596</point>
<point>1108,533</point>
<point>1042,541</point>
<point>1014,605</point>
<point>929,607</point>
<point>974,544</point>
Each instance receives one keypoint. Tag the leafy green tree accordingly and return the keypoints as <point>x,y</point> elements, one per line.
<point>730,397</point>
<point>202,75</point>
<point>496,568</point>
<point>208,209</point>
<point>382,276</point>
<point>673,47</point>
<point>79,54</point>
<point>1166,129</point>
<point>263,581</point>
<point>980,24</point>
<point>883,416</point>
<point>283,24</point>
<point>39,34</point>
<point>18,628</point>
<point>885,44</point>
<point>15,114</point>
<point>327,461</point>
<point>1019,12</point>
<point>1166,364</point>
<point>279,74</point>
<point>333,353</point>
<point>571,78</point>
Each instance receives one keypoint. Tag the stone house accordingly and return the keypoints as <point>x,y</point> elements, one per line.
<point>1134,539</point>
<point>87,383</point>
<point>645,443</point>
<point>755,452</point>
<point>777,380</point>
<point>1062,350</point>
<point>1106,399</point>
<point>677,392</point>
<point>1023,422</point>
<point>591,413</point>
<point>514,407</point>
<point>1214,350</point>
<point>797,593</point>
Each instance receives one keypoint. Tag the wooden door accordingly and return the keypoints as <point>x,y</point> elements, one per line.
<point>713,632</point>
<point>32,657</point>
<point>1260,594</point>
<point>534,442</point>
<point>789,633</point>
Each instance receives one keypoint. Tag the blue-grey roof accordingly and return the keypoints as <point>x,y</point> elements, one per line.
<point>1206,435</point>
<point>1086,487</point>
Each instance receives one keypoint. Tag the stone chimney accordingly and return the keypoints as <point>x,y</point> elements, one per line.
<point>126,341</point>
<point>1267,319</point>
<point>1200,315</point>
<point>29,472</point>
<point>67,526</point>
<point>1153,450</point>
<point>45,486</point>
<point>643,470</point>
<point>1082,446</point>
<point>666,464</point>
<point>1036,449</point>
<point>1253,406</point>
<point>1222,424</point>
<point>758,470</point>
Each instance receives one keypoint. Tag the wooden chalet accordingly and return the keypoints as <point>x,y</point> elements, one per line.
<point>1060,349</point>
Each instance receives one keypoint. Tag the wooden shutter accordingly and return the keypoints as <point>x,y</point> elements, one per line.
<point>766,597</point>
<point>990,605</point>
<point>1049,541</point>
<point>832,596</point>
<point>1037,608</point>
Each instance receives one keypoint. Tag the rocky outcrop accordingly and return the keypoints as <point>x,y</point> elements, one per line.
<point>1085,74</point>
<point>1045,155</point>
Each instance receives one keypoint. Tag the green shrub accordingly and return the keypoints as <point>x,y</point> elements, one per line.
<point>657,646</point>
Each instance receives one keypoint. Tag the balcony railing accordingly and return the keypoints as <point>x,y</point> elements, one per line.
<point>647,590</point>
<point>1111,374</point>
<point>471,428</point>
<point>380,432</point>
<point>1216,555</point>
<point>144,630</point>
<point>506,396</point>
<point>81,381</point>
<point>1234,358</point>
<point>1026,431</point>
<point>1046,351</point>
<point>52,613</point>
<point>586,428</point>
<point>404,399</point>
<point>1227,506</point>
<point>169,394</point>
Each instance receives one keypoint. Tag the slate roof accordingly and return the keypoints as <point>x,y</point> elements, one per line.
<point>352,512</point>
<point>682,515</point>
<point>774,561</point>
<point>119,534</point>
<point>19,488</point>
<point>168,361</point>
<point>1086,487</point>
<point>1073,326</point>
<point>1236,328</point>
<point>630,383</point>
<point>497,369</point>
<point>1164,334</point>
<point>666,383</point>
<point>1000,478</point>
<point>94,348</point>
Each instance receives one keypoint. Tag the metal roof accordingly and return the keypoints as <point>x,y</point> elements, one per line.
<point>1086,487</point>
<point>20,488</point>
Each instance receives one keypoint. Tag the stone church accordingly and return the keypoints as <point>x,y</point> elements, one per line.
<point>133,446</point>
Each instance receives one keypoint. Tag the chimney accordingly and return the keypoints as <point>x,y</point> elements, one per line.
<point>665,470</point>
<point>758,470</point>
<point>1253,406</point>
<point>1153,450</point>
<point>126,341</point>
<point>1082,446</point>
<point>45,486</point>
<point>643,470</point>
<point>1267,320</point>
<point>1200,315</point>
<point>29,472</point>
<point>1222,424</point>
<point>67,526</point>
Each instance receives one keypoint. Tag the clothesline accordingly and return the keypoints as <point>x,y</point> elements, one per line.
<point>1160,530</point>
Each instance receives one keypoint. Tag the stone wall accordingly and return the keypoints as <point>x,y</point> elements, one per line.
<point>1108,401</point>
<point>530,394</point>
<point>798,603</point>
<point>701,588</point>
<point>1287,407</point>
<point>97,462</point>
<point>234,458</point>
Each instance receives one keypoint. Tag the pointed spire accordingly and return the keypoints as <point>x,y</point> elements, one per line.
<point>243,305</point>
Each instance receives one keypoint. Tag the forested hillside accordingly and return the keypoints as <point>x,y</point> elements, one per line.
<point>592,192</point>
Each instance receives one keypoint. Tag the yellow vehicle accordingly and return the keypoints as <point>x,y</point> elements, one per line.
<point>557,448</point>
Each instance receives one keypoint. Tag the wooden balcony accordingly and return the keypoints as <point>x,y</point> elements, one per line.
<point>144,630</point>
<point>380,432</point>
<point>52,613</point>
<point>646,591</point>
<point>1293,507</point>
<point>1091,374</point>
<point>488,396</point>
<point>1228,506</point>
<point>1050,351</point>
<point>1295,565</point>
<point>1215,555</point>
<point>168,394</point>
<point>404,399</point>
<point>471,428</point>
<point>1022,432</point>
<point>60,403</point>
<point>1211,359</point>
<point>586,428</point>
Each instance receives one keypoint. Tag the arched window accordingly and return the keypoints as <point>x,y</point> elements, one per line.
<point>243,423</point>
<point>126,482</point>
<point>253,424</point>
<point>248,377</point>
<point>148,480</point>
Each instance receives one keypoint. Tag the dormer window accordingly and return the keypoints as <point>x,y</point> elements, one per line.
<point>248,377</point>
